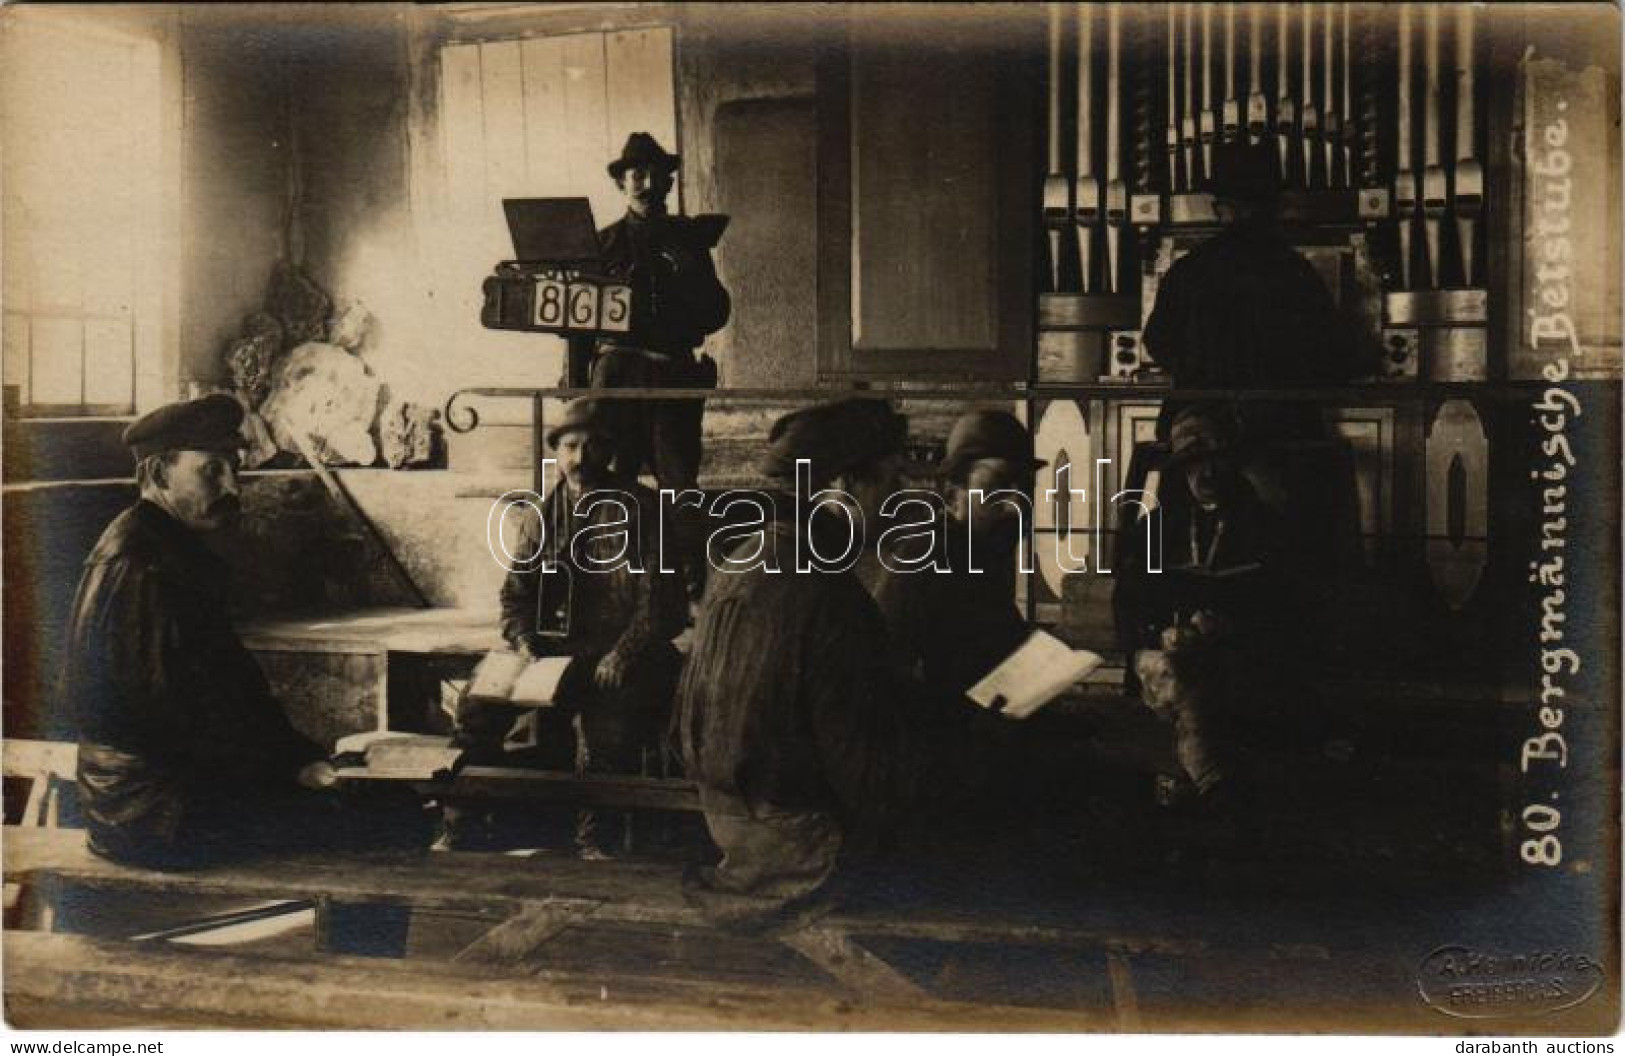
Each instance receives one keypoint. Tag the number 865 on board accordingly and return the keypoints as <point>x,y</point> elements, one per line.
<point>560,305</point>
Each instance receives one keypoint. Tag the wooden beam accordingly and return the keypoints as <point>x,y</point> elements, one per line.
<point>515,939</point>
<point>547,786</point>
<point>834,951</point>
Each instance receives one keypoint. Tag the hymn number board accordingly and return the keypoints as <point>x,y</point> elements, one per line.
<point>581,304</point>
<point>557,302</point>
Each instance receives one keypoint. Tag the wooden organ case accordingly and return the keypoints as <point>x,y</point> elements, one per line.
<point>1378,115</point>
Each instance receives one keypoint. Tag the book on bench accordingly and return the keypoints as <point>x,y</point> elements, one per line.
<point>1041,669</point>
<point>394,755</point>
<point>505,677</point>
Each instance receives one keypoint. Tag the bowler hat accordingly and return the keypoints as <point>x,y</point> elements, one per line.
<point>643,149</point>
<point>988,434</point>
<point>1245,172</point>
<point>585,414</point>
<point>207,424</point>
<point>834,438</point>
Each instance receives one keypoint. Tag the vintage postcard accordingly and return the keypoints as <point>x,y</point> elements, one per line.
<point>1065,517</point>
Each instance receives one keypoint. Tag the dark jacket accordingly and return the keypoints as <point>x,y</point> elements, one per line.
<point>676,297</point>
<point>630,612</point>
<point>787,698</point>
<point>951,628</point>
<point>170,706</point>
<point>1246,310</point>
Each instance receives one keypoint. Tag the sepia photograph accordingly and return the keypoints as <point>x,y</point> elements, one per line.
<point>1016,518</point>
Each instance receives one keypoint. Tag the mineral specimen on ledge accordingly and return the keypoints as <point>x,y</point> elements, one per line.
<point>407,434</point>
<point>323,393</point>
<point>251,360</point>
<point>350,326</point>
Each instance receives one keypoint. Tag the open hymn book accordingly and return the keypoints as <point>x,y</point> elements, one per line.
<point>1040,670</point>
<point>505,677</point>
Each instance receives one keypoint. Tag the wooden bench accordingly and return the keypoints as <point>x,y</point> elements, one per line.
<point>525,903</point>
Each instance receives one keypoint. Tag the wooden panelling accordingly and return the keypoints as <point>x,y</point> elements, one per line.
<point>767,165</point>
<point>585,136</point>
<point>542,78</point>
<point>463,122</point>
<point>924,181</point>
<point>925,208</point>
<point>502,87</point>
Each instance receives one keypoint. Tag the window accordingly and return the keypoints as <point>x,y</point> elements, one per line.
<point>79,135</point>
<point>534,118</point>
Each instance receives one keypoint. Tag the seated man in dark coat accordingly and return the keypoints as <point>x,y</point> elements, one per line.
<point>789,719</point>
<point>1221,636</point>
<point>184,757</point>
<point>579,592</point>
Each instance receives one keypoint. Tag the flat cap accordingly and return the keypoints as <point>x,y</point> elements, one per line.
<point>207,424</point>
<point>988,434</point>
<point>586,415</point>
<point>834,437</point>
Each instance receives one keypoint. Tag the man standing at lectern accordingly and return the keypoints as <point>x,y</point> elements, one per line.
<point>676,301</point>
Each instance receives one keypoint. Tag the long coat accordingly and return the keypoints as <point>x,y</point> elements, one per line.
<point>173,713</point>
<point>1246,310</point>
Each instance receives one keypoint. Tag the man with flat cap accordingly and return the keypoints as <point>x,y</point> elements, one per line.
<point>588,585</point>
<point>676,302</point>
<point>788,717</point>
<point>184,756</point>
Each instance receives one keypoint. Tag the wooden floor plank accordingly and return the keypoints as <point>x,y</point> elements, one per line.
<point>1125,1002</point>
<point>515,939</point>
<point>69,971</point>
<point>860,971</point>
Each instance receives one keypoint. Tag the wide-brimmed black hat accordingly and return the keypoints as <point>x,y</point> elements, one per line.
<point>207,424</point>
<point>834,438</point>
<point>1245,172</point>
<point>988,434</point>
<point>644,150</point>
<point>585,414</point>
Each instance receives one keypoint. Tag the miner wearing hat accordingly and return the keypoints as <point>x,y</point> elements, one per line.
<point>954,622</point>
<point>676,302</point>
<point>789,720</point>
<point>1245,309</point>
<point>588,583</point>
<point>1216,605</point>
<point>184,756</point>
